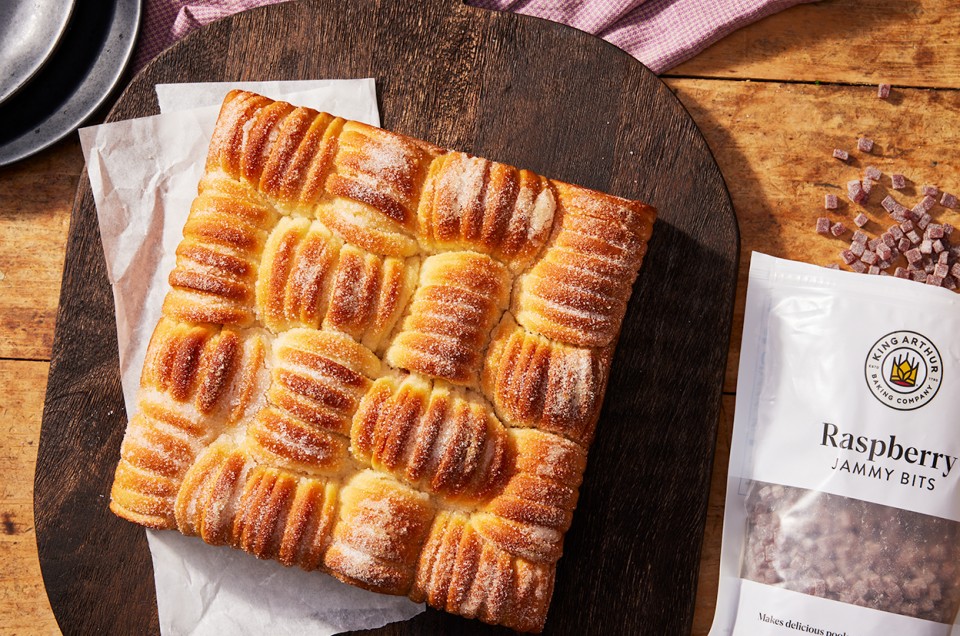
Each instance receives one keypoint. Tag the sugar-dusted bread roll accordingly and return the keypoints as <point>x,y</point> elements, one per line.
<point>458,299</point>
<point>381,359</point>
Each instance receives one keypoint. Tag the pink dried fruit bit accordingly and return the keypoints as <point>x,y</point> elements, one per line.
<point>889,203</point>
<point>888,239</point>
<point>847,257</point>
<point>884,252</point>
<point>908,214</point>
<point>926,247</point>
<point>933,279</point>
<point>860,237</point>
<point>941,270</point>
<point>906,226</point>
<point>924,221</point>
<point>948,200</point>
<point>927,203</point>
<point>896,232</point>
<point>949,283</point>
<point>837,229</point>
<point>947,229</point>
<point>955,270</point>
<point>842,155</point>
<point>867,185</point>
<point>920,277</point>
<point>872,243</point>
<point>898,181</point>
<point>913,255</point>
<point>884,264</point>
<point>901,273</point>
<point>832,266</point>
<point>855,191</point>
<point>872,172</point>
<point>874,270</point>
<point>935,231</point>
<point>861,219</point>
<point>823,225</point>
<point>870,258</point>
<point>904,244</point>
<point>864,144</point>
<point>914,237</point>
<point>938,247</point>
<point>859,267</point>
<point>857,248</point>
<point>883,91</point>
<point>944,257</point>
<point>929,190</point>
<point>830,202</point>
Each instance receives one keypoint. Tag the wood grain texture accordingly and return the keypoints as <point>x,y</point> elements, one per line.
<point>488,84</point>
<point>713,531</point>
<point>778,175</point>
<point>908,43</point>
<point>23,602</point>
<point>35,200</point>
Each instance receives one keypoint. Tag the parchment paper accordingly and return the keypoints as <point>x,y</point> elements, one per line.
<point>144,174</point>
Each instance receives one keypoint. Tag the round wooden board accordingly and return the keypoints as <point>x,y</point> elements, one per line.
<point>514,89</point>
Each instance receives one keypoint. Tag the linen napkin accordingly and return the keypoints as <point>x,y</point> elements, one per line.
<point>166,21</point>
<point>659,33</point>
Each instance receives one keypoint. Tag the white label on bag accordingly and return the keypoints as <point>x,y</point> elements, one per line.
<point>854,402</point>
<point>772,611</point>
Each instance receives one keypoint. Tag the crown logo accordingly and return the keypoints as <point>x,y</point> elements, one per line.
<point>904,371</point>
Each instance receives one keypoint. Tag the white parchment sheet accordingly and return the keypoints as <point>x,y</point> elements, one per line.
<point>144,174</point>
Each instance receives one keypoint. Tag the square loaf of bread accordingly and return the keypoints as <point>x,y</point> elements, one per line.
<point>381,359</point>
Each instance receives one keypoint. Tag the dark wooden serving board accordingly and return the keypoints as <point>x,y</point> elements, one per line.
<point>515,89</point>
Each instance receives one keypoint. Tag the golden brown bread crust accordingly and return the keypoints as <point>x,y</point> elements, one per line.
<point>473,203</point>
<point>458,300</point>
<point>448,471</point>
<point>378,535</point>
<point>533,381</point>
<point>197,380</point>
<point>461,572</point>
<point>434,437</point>
<point>309,277</point>
<point>577,292</point>
<point>217,260</point>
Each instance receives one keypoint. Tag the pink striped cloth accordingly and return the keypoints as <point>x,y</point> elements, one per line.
<point>659,33</point>
<point>166,21</point>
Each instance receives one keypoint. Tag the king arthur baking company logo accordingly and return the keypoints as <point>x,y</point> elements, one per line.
<point>904,370</point>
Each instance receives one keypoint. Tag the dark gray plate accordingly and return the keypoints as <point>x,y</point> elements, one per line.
<point>74,82</point>
<point>29,33</point>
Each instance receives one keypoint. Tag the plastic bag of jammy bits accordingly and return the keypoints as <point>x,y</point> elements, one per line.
<point>843,495</point>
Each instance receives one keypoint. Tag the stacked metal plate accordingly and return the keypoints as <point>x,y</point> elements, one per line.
<point>59,62</point>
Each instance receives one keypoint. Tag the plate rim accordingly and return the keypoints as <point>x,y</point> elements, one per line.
<point>127,13</point>
<point>51,48</point>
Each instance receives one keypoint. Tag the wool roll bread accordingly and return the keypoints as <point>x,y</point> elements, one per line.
<point>382,360</point>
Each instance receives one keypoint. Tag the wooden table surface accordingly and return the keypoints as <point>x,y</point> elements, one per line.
<point>773,100</point>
